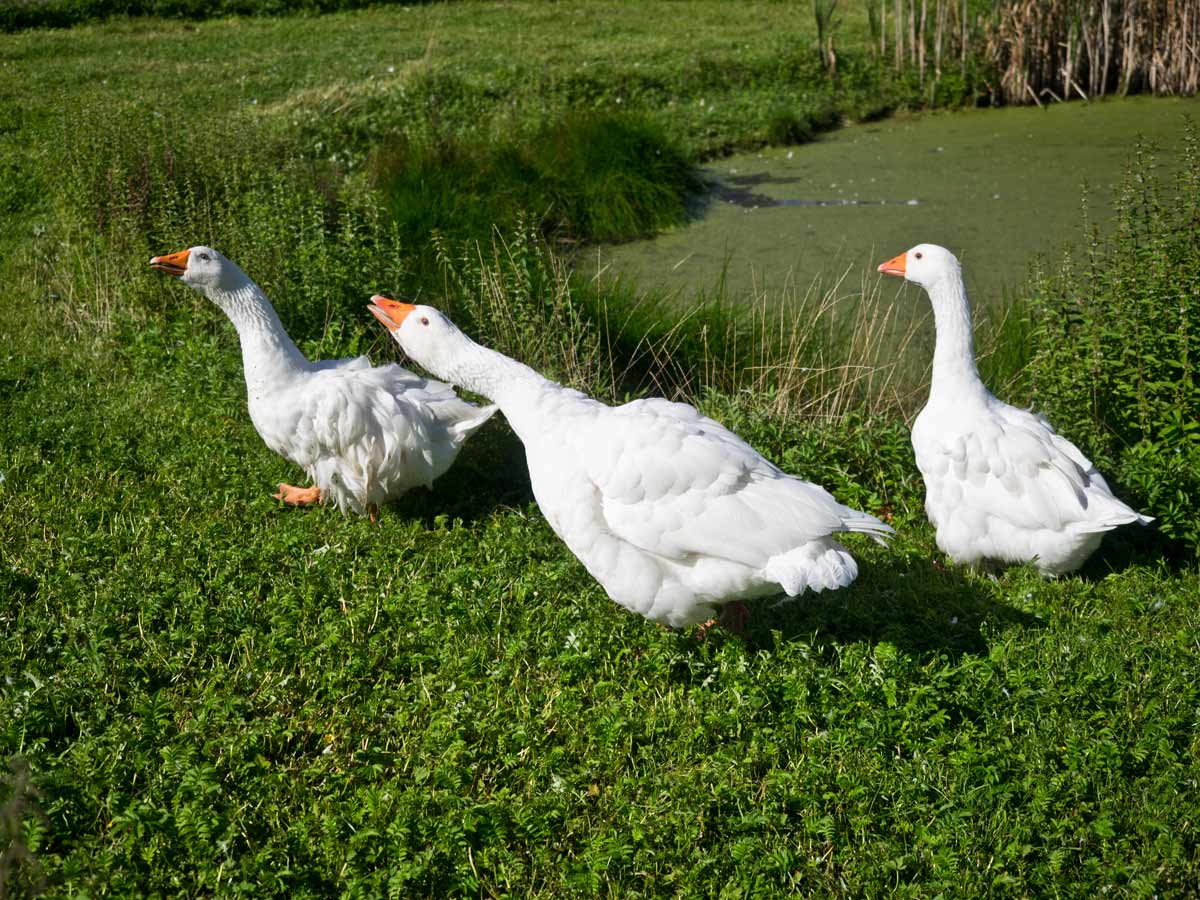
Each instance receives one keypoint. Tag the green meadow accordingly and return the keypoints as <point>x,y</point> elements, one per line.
<point>204,693</point>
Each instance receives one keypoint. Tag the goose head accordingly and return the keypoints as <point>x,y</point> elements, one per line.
<point>202,268</point>
<point>422,332</point>
<point>924,264</point>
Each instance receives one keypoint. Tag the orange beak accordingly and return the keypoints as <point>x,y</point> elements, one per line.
<point>173,263</point>
<point>895,265</point>
<point>389,312</point>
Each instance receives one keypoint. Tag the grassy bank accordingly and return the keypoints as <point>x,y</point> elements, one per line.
<point>218,695</point>
<point>205,693</point>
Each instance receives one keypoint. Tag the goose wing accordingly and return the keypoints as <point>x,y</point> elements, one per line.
<point>384,416</point>
<point>1009,463</point>
<point>678,484</point>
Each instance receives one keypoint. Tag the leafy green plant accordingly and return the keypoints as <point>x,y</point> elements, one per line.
<point>585,177</point>
<point>19,867</point>
<point>318,247</point>
<point>1115,345</point>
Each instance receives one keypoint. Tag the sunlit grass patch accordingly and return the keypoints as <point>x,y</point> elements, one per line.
<point>218,695</point>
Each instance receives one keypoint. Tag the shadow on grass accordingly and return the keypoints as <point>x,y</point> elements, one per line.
<point>1135,545</point>
<point>910,603</point>
<point>489,473</point>
<point>17,587</point>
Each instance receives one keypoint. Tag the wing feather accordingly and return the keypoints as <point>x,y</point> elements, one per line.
<point>678,484</point>
<point>1010,464</point>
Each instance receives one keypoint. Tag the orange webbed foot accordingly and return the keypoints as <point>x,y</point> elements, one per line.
<point>297,496</point>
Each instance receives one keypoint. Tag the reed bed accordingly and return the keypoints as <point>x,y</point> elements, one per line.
<point>1036,51</point>
<point>1092,48</point>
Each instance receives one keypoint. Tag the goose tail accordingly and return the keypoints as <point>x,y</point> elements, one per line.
<point>864,523</point>
<point>468,420</point>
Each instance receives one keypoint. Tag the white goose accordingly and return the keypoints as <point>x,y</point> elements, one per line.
<point>999,483</point>
<point>363,434</point>
<point>671,512</point>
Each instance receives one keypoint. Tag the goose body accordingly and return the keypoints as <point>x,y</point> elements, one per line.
<point>364,434</point>
<point>670,511</point>
<point>1000,484</point>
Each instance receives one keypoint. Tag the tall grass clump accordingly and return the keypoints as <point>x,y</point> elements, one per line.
<point>1115,345</point>
<point>813,353</point>
<point>317,246</point>
<point>519,293</point>
<point>582,177</point>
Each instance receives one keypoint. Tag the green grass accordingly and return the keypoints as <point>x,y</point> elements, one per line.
<point>597,177</point>
<point>216,695</point>
<point>1132,403</point>
<point>220,695</point>
<point>335,87</point>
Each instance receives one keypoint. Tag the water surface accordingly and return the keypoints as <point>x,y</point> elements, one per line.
<point>996,186</point>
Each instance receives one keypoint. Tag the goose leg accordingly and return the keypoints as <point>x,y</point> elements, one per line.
<point>296,496</point>
<point>733,617</point>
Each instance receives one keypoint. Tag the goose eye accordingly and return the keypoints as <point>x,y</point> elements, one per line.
<point>205,257</point>
<point>424,320</point>
<point>918,255</point>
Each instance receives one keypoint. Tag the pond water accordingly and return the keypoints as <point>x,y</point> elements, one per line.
<point>996,186</point>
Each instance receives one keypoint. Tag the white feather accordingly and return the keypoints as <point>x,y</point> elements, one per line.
<point>669,510</point>
<point>1000,483</point>
<point>363,434</point>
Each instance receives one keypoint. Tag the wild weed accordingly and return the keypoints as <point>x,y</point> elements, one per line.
<point>20,820</point>
<point>517,295</point>
<point>318,249</point>
<point>1115,348</point>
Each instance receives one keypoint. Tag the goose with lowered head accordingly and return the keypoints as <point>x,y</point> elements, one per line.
<point>671,512</point>
<point>1000,484</point>
<point>363,434</point>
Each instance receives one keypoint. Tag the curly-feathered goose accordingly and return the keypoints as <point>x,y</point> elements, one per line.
<point>363,434</point>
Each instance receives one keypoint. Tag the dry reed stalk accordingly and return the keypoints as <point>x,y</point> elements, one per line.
<point>921,42</point>
<point>1121,46</point>
<point>818,354</point>
<point>941,14</point>
<point>1055,49</point>
<point>963,40</point>
<point>882,29</point>
<point>912,32</point>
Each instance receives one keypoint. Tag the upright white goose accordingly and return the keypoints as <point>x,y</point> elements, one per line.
<point>1000,485</point>
<point>363,434</point>
<point>671,512</point>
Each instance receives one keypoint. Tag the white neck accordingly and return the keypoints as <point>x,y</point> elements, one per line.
<point>516,388</point>
<point>498,377</point>
<point>268,354</point>
<point>954,349</point>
